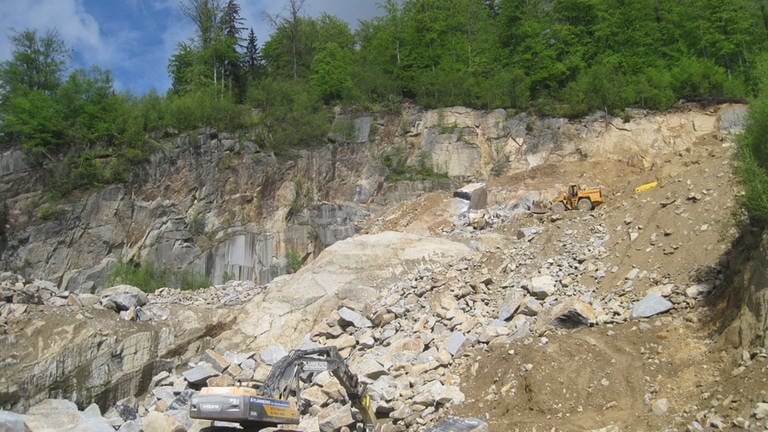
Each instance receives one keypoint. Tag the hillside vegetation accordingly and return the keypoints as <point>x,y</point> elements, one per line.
<point>562,57</point>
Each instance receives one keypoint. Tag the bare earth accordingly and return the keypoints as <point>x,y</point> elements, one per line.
<point>610,377</point>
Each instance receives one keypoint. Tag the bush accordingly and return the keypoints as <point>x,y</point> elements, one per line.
<point>149,277</point>
<point>192,280</point>
<point>752,156</point>
<point>696,78</point>
<point>146,276</point>
<point>295,261</point>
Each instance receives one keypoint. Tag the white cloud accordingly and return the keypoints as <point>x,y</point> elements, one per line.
<point>78,29</point>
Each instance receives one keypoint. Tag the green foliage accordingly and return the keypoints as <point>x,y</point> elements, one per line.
<point>752,155</point>
<point>552,57</point>
<point>294,115</point>
<point>301,199</point>
<point>3,221</point>
<point>697,78</point>
<point>196,224</point>
<point>193,280</point>
<point>295,261</point>
<point>330,73</point>
<point>395,161</point>
<point>148,276</point>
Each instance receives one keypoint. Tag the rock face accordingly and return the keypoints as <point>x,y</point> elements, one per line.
<point>748,298</point>
<point>214,204</point>
<point>96,351</point>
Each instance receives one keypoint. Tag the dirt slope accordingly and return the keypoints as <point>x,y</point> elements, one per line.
<point>669,372</point>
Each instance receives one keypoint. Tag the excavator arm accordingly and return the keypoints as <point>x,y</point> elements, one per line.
<point>285,374</point>
<point>269,405</point>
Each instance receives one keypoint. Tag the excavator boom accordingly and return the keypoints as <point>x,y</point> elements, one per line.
<point>269,406</point>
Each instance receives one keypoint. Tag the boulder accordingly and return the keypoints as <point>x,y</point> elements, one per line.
<point>334,417</point>
<point>511,304</point>
<point>454,342</point>
<point>159,422</point>
<point>542,287</point>
<point>199,374</point>
<point>652,304</point>
<point>12,422</point>
<point>349,317</point>
<point>475,193</point>
<point>573,313</point>
<point>434,392</point>
<point>272,354</point>
<point>62,416</point>
<point>218,361</point>
<point>457,424</point>
<point>370,368</point>
<point>124,297</point>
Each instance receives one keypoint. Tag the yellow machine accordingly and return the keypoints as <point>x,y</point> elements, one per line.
<point>578,198</point>
<point>267,407</point>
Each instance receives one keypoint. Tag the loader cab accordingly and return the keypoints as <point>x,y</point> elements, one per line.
<point>573,190</point>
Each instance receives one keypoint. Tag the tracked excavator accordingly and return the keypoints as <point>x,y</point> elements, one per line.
<point>267,407</point>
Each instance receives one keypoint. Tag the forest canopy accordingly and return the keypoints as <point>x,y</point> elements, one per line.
<point>549,57</point>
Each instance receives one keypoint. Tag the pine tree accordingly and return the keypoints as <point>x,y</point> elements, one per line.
<point>252,59</point>
<point>231,29</point>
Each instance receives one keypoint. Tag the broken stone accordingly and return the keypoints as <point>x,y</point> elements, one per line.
<point>542,286</point>
<point>478,219</point>
<point>343,342</point>
<point>199,374</point>
<point>350,317</point>
<point>271,354</point>
<point>370,368</point>
<point>458,424</point>
<point>216,360</point>
<point>528,233</point>
<point>159,422</point>
<point>699,290</point>
<point>573,313</point>
<point>531,307</point>
<point>454,342</point>
<point>124,297</point>
<point>761,411</point>
<point>11,422</point>
<point>434,392</point>
<point>382,318</point>
<point>511,305</point>
<point>652,304</point>
<point>334,417</point>
<point>660,406</point>
<point>475,193</point>
<point>493,330</point>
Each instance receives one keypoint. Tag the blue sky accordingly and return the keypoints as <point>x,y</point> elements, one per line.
<point>135,38</point>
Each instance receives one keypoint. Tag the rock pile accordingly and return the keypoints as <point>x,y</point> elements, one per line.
<point>19,297</point>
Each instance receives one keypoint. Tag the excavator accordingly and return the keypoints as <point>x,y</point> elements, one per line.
<point>267,408</point>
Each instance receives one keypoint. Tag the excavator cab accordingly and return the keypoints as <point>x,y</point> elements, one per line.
<point>269,407</point>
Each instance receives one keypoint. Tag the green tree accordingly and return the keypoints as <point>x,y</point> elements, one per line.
<point>752,154</point>
<point>330,72</point>
<point>252,61</point>
<point>294,115</point>
<point>37,63</point>
<point>28,84</point>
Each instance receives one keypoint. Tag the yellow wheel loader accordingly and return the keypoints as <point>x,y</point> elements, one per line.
<point>267,408</point>
<point>576,198</point>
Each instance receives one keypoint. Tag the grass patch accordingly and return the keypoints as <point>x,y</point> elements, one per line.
<point>148,277</point>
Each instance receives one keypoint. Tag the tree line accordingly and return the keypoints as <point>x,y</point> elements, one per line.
<point>549,57</point>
